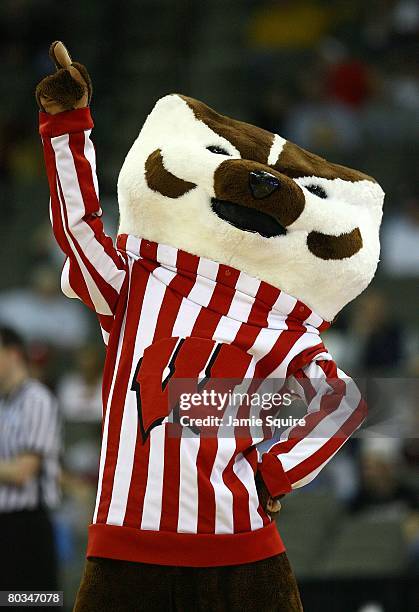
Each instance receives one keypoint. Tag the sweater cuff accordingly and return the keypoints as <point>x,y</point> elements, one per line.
<point>66,122</point>
<point>274,476</point>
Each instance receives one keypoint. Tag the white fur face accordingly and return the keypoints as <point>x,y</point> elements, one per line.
<point>320,245</point>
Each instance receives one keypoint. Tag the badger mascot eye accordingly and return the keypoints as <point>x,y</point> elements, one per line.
<point>317,190</point>
<point>217,150</point>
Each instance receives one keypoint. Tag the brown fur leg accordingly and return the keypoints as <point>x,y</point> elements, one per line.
<point>121,586</point>
<point>109,585</point>
<point>264,586</point>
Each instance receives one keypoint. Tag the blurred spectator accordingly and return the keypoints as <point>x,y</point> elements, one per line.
<point>80,391</point>
<point>381,490</point>
<point>319,123</point>
<point>29,472</point>
<point>44,248</point>
<point>347,79</point>
<point>347,82</point>
<point>403,87</point>
<point>379,336</point>
<point>411,434</point>
<point>41,312</point>
<point>400,238</point>
<point>406,17</point>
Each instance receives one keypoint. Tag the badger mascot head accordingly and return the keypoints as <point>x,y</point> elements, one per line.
<point>237,194</point>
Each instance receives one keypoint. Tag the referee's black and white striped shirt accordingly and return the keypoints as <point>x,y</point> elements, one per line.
<point>30,423</point>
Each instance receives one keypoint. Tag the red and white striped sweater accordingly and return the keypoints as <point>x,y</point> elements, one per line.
<point>185,500</point>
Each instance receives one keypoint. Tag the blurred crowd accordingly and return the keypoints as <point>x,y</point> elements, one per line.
<point>341,79</point>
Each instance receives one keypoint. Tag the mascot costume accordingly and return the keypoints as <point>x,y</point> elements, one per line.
<point>236,248</point>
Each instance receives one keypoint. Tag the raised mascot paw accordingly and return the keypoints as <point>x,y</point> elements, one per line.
<point>69,88</point>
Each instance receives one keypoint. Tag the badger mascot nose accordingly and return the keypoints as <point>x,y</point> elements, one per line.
<point>262,184</point>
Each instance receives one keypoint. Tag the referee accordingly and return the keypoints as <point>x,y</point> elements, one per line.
<point>30,435</point>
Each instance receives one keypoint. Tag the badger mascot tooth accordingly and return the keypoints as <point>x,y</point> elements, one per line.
<point>236,248</point>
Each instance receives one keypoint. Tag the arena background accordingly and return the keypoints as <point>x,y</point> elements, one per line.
<point>340,78</point>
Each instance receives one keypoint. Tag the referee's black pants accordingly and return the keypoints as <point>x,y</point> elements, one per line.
<point>27,551</point>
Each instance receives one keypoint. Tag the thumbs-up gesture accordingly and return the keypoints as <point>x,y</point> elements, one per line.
<point>69,88</point>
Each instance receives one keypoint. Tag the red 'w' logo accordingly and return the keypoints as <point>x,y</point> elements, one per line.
<point>193,360</point>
